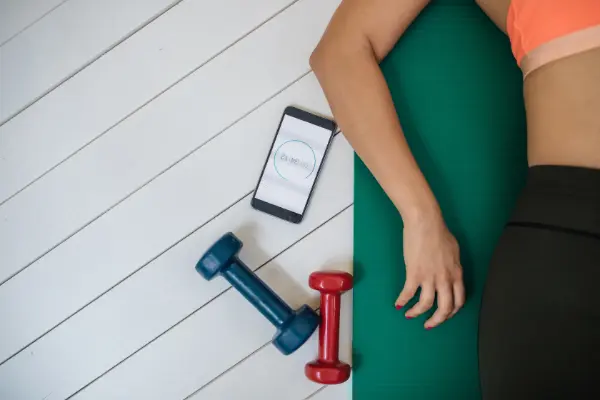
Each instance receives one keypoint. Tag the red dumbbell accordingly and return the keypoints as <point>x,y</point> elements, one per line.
<point>327,368</point>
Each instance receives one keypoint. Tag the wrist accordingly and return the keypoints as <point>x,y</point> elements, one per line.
<point>413,198</point>
<point>423,214</point>
<point>420,210</point>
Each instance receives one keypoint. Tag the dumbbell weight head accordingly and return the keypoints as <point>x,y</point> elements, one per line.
<point>219,256</point>
<point>327,373</point>
<point>297,331</point>
<point>331,281</point>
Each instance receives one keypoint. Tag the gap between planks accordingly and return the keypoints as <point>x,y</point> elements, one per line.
<point>30,24</point>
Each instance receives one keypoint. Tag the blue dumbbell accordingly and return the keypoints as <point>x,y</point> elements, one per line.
<point>293,327</point>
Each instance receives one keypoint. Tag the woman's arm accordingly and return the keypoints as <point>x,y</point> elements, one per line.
<point>346,62</point>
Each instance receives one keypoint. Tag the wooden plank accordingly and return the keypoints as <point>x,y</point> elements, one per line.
<point>267,375</point>
<point>120,82</point>
<point>131,315</point>
<point>1,158</point>
<point>334,392</point>
<point>157,216</point>
<point>197,350</point>
<point>160,134</point>
<point>17,15</point>
<point>69,38</point>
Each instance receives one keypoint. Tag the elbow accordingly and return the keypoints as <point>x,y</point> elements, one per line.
<point>319,58</point>
<point>335,51</point>
<point>326,57</point>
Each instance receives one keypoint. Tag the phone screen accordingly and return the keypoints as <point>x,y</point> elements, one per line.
<point>293,164</point>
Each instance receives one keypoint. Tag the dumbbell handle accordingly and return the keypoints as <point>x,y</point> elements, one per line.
<point>257,293</point>
<point>329,330</point>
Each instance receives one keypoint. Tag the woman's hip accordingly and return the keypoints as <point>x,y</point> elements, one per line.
<point>539,331</point>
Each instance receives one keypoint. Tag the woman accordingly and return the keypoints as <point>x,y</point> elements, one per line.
<point>540,318</point>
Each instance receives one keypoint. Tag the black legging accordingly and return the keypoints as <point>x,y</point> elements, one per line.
<point>539,329</point>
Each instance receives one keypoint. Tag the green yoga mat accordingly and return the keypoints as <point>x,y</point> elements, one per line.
<point>458,94</point>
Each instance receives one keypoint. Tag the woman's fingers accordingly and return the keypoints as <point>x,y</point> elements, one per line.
<point>450,294</point>
<point>459,296</point>
<point>425,301</point>
<point>445,305</point>
<point>408,292</point>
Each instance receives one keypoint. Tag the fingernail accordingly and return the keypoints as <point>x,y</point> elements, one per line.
<point>428,327</point>
<point>408,317</point>
<point>398,306</point>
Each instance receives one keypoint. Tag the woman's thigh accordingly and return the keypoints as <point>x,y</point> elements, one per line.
<point>539,330</point>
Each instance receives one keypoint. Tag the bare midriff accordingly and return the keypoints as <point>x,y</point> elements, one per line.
<point>562,99</point>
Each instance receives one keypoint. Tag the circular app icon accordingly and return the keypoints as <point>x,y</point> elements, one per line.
<point>294,160</point>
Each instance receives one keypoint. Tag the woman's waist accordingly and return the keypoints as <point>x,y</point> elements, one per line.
<point>573,148</point>
<point>563,112</point>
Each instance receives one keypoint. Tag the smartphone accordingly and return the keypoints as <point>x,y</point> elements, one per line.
<point>295,160</point>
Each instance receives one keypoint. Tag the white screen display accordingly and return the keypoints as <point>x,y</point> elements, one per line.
<point>293,164</point>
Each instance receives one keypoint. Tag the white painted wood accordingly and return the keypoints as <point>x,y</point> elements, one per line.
<point>150,221</point>
<point>1,158</point>
<point>68,38</point>
<point>224,333</point>
<point>266,375</point>
<point>17,15</point>
<point>158,135</point>
<point>334,392</point>
<point>164,292</point>
<point>148,228</point>
<point>117,84</point>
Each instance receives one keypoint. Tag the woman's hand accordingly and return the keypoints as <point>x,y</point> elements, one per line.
<point>432,260</point>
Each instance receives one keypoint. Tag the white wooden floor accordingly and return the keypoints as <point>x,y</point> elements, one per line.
<point>132,133</point>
